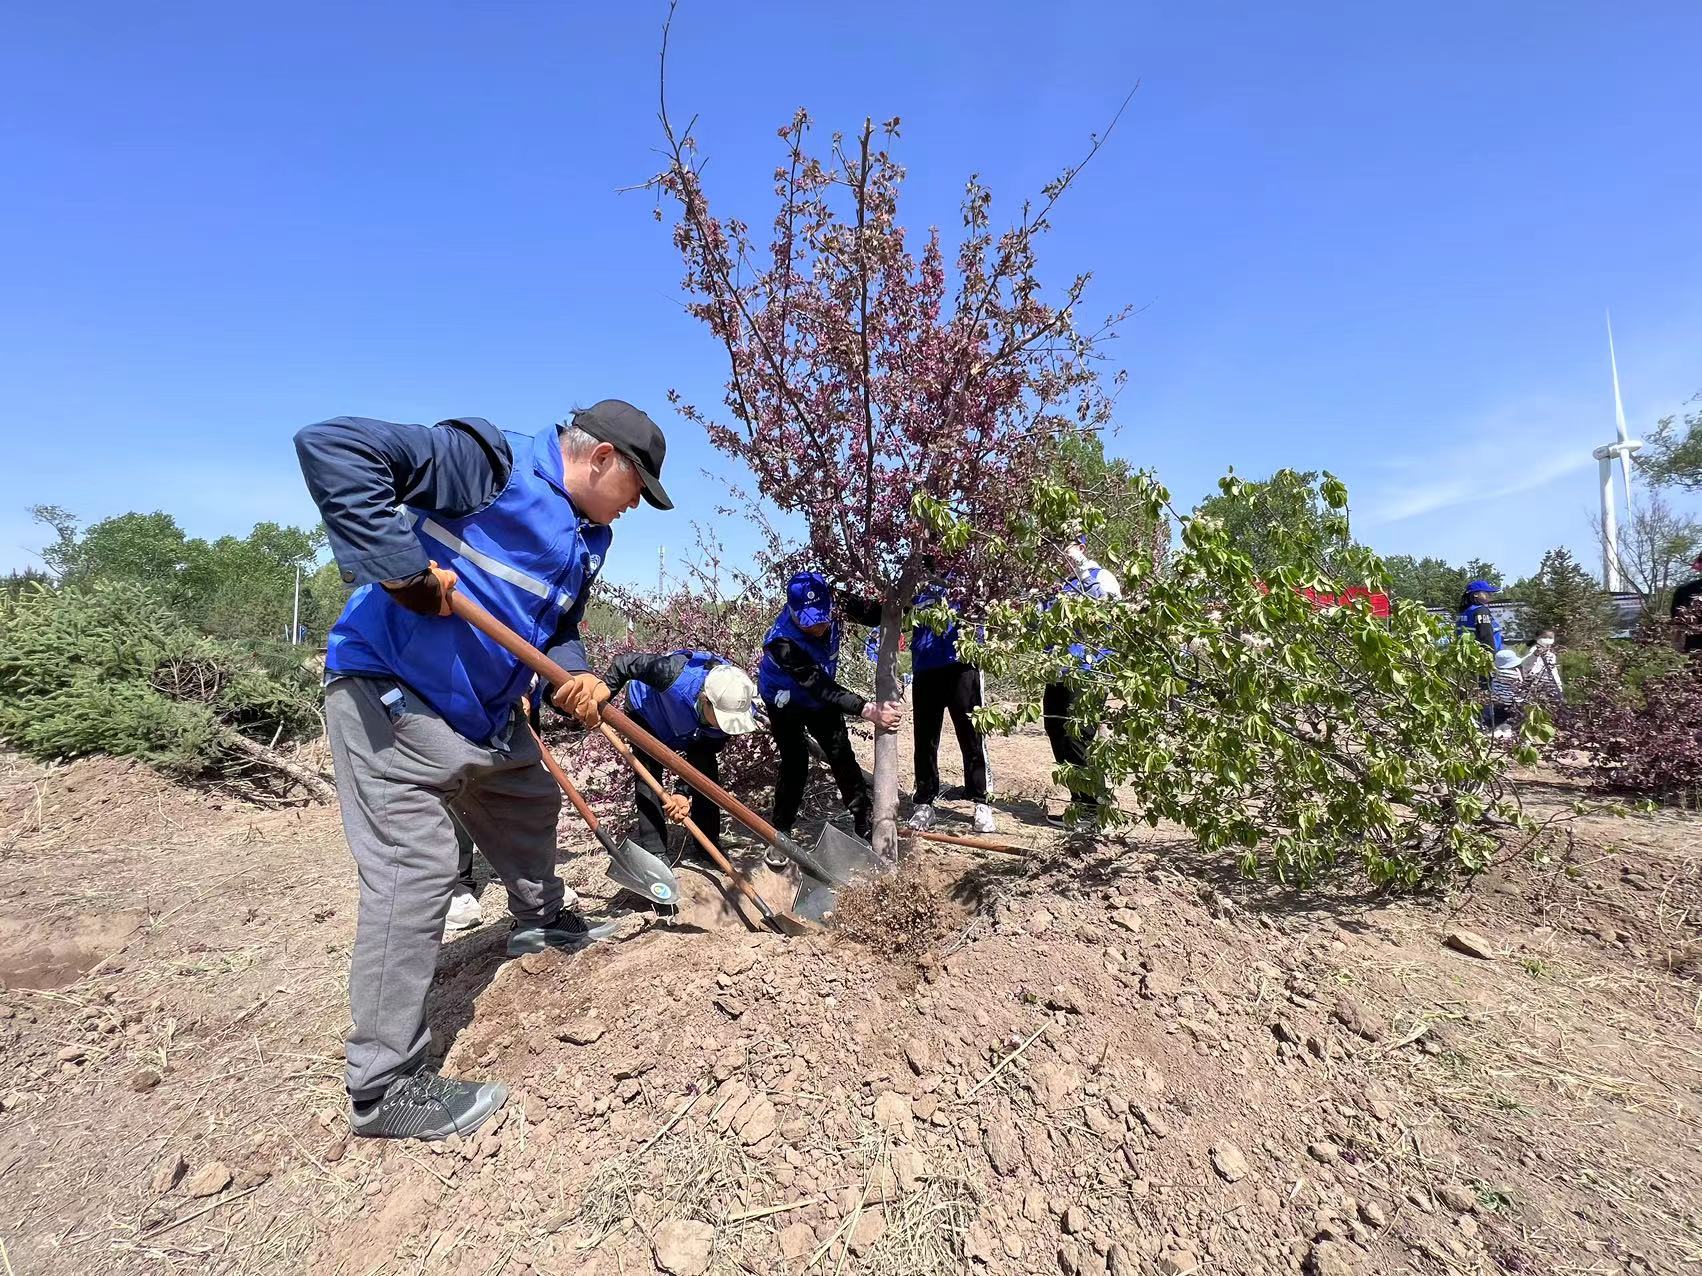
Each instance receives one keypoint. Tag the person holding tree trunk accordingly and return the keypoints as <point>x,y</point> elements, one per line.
<point>693,702</point>
<point>1062,696</point>
<point>425,713</point>
<point>944,684</point>
<point>800,658</point>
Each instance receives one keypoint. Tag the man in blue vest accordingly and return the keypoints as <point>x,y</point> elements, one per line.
<point>800,658</point>
<point>693,702</point>
<point>943,684</point>
<point>425,713</point>
<point>1073,683</point>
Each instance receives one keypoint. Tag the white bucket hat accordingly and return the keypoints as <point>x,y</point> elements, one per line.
<point>732,695</point>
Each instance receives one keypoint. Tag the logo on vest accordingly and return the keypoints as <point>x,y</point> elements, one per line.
<point>595,562</point>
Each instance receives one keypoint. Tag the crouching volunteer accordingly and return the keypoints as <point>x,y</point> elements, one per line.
<point>800,658</point>
<point>1062,695</point>
<point>693,702</point>
<point>422,710</point>
<point>944,684</point>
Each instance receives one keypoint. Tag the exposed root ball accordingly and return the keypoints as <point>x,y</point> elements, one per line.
<point>896,914</point>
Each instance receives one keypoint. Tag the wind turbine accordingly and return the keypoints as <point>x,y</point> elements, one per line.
<point>1624,447</point>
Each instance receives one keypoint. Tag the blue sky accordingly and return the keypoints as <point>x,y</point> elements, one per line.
<point>1374,238</point>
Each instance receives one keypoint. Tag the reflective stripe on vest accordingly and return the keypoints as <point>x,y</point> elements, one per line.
<point>527,557</point>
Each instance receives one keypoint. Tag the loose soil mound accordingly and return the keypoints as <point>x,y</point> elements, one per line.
<point>1109,1059</point>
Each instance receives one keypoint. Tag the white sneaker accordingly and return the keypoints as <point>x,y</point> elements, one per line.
<point>922,817</point>
<point>464,911</point>
<point>984,822</point>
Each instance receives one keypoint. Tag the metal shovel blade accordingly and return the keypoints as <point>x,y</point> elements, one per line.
<point>845,858</point>
<point>643,873</point>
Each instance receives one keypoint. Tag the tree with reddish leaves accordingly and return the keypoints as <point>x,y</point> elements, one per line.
<point>875,384</point>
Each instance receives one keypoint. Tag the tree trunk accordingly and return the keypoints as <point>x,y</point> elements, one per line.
<point>887,690</point>
<point>312,781</point>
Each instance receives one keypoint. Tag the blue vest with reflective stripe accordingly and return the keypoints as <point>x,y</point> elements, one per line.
<point>773,682</point>
<point>929,650</point>
<point>672,714</point>
<point>527,558</point>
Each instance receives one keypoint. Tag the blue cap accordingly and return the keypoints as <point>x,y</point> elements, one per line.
<point>1481,587</point>
<point>808,598</point>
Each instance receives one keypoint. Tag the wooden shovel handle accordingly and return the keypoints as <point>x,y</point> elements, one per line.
<point>551,672</point>
<point>953,839</point>
<point>567,785</point>
<point>709,848</point>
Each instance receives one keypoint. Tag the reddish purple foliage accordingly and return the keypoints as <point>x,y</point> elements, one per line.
<point>1643,734</point>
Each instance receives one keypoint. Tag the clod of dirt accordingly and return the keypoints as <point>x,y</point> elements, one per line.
<point>896,914</point>
<point>1332,1258</point>
<point>1469,942</point>
<point>169,1172</point>
<point>797,1241</point>
<point>581,1032</point>
<point>682,1246</point>
<point>1228,1160</point>
<point>1457,1197</point>
<point>211,1179</point>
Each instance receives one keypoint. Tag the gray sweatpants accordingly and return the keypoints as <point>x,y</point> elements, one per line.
<point>397,766</point>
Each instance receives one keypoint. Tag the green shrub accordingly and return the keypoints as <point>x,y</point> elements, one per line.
<point>106,667</point>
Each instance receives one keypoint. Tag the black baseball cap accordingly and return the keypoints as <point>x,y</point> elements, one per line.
<point>635,436</point>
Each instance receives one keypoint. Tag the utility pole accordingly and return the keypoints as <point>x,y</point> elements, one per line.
<point>295,612</point>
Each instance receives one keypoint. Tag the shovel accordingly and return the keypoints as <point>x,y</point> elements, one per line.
<point>630,865</point>
<point>837,857</point>
<point>782,923</point>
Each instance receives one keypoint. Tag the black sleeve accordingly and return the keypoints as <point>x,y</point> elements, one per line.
<point>860,611</point>
<point>359,470</point>
<point>813,678</point>
<point>656,669</point>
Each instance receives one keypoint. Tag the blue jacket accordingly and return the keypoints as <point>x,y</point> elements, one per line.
<point>670,709</point>
<point>1083,656</point>
<point>930,650</point>
<point>1468,622</point>
<point>527,556</point>
<point>780,686</point>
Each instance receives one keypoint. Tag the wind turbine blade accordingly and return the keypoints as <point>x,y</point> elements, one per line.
<point>1618,403</point>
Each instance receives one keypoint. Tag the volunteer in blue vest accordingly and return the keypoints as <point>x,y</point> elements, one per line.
<point>944,684</point>
<point>425,713</point>
<point>1062,695</point>
<point>1477,617</point>
<point>800,658</point>
<point>693,702</point>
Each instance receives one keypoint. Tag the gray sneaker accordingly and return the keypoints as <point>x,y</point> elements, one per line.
<point>427,1105</point>
<point>922,818</point>
<point>568,932</point>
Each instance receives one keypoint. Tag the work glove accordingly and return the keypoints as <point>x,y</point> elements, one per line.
<point>676,806</point>
<point>425,592</point>
<point>582,696</point>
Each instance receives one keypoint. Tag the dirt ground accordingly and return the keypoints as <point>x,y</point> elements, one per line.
<point>1098,1058</point>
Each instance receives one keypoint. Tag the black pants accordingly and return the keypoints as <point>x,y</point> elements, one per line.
<point>1057,704</point>
<point>788,725</point>
<point>955,688</point>
<point>651,832</point>
<point>464,846</point>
